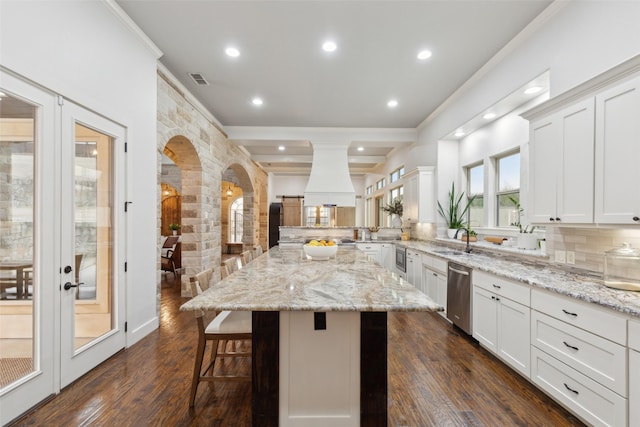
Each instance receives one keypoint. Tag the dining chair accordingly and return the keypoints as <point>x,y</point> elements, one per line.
<point>230,265</point>
<point>246,257</point>
<point>257,251</point>
<point>168,253</point>
<point>216,328</point>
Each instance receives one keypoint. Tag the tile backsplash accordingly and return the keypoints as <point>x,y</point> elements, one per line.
<point>589,244</point>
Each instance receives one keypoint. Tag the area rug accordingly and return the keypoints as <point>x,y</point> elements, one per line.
<point>12,369</point>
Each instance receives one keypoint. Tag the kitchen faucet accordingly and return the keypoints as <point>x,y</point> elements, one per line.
<point>455,236</point>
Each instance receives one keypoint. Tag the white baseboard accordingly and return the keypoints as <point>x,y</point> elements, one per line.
<point>137,334</point>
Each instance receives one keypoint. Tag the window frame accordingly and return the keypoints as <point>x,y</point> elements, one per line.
<point>482,195</point>
<point>498,193</point>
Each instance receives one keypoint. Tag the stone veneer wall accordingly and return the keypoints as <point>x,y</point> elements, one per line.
<point>202,152</point>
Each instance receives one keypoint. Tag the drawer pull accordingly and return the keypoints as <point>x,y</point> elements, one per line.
<point>569,313</point>
<point>570,346</point>
<point>570,389</point>
<point>496,286</point>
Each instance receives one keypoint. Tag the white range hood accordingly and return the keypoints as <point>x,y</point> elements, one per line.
<point>330,181</point>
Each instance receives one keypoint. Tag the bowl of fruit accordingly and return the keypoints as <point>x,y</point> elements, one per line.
<point>320,250</point>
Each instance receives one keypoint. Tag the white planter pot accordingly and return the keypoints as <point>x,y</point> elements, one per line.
<point>527,241</point>
<point>396,221</point>
<point>174,232</point>
<point>451,232</point>
<point>374,236</point>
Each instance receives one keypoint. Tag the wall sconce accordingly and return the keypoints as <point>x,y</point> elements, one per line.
<point>229,191</point>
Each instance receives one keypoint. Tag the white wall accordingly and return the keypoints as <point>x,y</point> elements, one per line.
<point>82,51</point>
<point>580,41</point>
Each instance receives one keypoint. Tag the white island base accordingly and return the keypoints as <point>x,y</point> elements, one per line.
<point>319,369</point>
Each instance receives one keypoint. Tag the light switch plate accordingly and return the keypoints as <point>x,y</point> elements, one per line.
<point>561,256</point>
<point>571,257</point>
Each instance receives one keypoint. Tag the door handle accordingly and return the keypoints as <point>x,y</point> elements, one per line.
<point>70,285</point>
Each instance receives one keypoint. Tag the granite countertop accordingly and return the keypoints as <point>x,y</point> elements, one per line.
<point>285,280</point>
<point>576,284</point>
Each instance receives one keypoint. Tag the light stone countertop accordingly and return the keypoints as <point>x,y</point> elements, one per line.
<point>578,285</point>
<point>285,280</point>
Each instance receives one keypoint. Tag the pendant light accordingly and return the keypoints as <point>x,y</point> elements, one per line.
<point>229,191</point>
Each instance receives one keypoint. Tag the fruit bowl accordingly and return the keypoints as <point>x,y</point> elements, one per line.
<point>320,253</point>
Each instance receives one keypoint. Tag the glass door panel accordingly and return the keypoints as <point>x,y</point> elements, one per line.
<point>93,236</point>
<point>17,278</point>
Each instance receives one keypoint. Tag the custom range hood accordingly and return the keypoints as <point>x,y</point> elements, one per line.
<point>330,182</point>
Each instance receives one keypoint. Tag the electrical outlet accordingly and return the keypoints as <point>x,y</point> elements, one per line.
<point>571,257</point>
<point>561,257</point>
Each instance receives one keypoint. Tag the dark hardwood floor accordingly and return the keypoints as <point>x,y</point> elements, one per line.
<point>437,377</point>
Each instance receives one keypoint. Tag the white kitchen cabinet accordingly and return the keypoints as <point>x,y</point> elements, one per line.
<point>414,269</point>
<point>501,324</point>
<point>634,373</point>
<point>419,199</point>
<point>374,250</point>
<point>561,166</point>
<point>388,256</point>
<point>435,285</point>
<point>617,147</point>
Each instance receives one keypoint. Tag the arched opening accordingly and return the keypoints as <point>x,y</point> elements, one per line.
<point>180,178</point>
<point>237,211</point>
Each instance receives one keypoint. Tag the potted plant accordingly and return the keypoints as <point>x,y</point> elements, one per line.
<point>526,238</point>
<point>454,213</point>
<point>374,233</point>
<point>473,236</point>
<point>395,210</point>
<point>174,228</point>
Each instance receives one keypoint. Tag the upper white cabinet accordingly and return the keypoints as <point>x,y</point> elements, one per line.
<point>617,154</point>
<point>419,195</point>
<point>584,149</point>
<point>561,156</point>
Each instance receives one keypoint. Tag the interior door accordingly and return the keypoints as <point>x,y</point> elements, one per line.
<point>92,228</point>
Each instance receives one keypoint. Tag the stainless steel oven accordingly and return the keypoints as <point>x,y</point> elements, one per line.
<point>401,259</point>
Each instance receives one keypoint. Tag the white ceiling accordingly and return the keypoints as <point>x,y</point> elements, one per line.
<point>282,62</point>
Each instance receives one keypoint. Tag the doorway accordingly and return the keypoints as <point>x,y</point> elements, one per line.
<point>62,282</point>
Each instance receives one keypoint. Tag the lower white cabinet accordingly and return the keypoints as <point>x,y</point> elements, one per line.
<point>435,286</point>
<point>502,326</point>
<point>634,373</point>
<point>414,269</point>
<point>591,401</point>
<point>374,250</point>
<point>388,256</point>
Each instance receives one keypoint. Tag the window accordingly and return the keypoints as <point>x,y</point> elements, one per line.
<point>396,174</point>
<point>235,220</point>
<point>508,191</point>
<point>475,187</point>
<point>396,193</point>
<point>380,184</point>
<point>369,189</point>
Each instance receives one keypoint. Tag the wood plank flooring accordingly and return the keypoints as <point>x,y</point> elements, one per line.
<point>437,377</point>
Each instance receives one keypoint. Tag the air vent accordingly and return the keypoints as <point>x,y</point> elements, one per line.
<point>199,79</point>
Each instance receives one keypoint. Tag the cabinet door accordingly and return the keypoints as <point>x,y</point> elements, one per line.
<point>576,168</point>
<point>411,274</point>
<point>387,258</point>
<point>430,280</point>
<point>485,319</point>
<point>543,164</point>
<point>410,198</point>
<point>514,346</point>
<point>441,286</point>
<point>634,388</point>
<point>617,200</point>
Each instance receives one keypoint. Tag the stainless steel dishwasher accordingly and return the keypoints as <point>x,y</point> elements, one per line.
<point>459,296</point>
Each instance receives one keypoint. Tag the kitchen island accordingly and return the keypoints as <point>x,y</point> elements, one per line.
<point>319,341</point>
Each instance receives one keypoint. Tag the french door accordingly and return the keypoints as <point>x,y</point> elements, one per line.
<point>91,276</point>
<point>63,234</point>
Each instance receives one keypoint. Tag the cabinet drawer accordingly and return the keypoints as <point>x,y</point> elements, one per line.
<point>634,335</point>
<point>595,357</point>
<point>369,247</point>
<point>592,402</point>
<point>503,287</point>
<point>590,317</point>
<point>434,263</point>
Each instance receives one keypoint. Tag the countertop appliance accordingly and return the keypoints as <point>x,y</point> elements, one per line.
<point>401,259</point>
<point>459,296</point>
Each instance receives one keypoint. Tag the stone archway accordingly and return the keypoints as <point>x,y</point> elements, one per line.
<point>185,156</point>
<point>239,177</point>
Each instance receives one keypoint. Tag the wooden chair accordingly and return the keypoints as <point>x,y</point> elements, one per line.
<point>226,325</point>
<point>246,257</point>
<point>230,266</point>
<point>167,261</point>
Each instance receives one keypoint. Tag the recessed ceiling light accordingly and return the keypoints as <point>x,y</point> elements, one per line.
<point>329,46</point>
<point>232,52</point>
<point>458,134</point>
<point>424,54</point>
<point>257,101</point>
<point>489,116</point>
<point>392,103</point>
<point>281,148</point>
<point>360,148</point>
<point>532,90</point>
